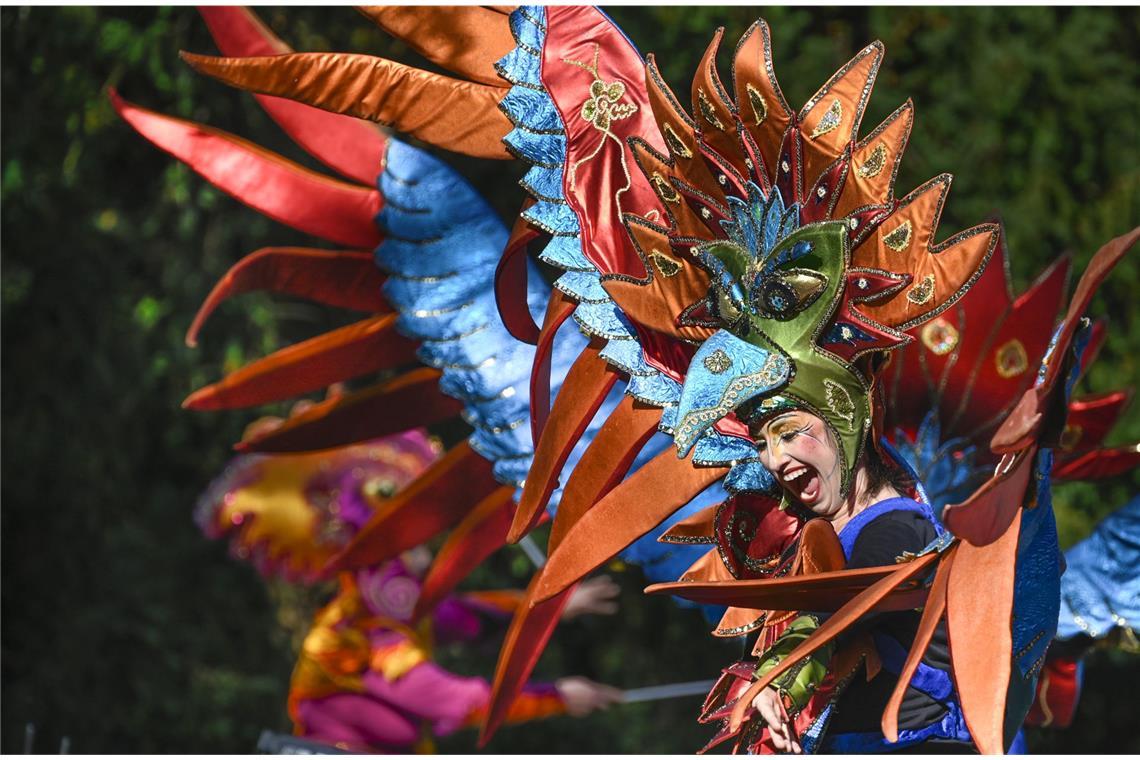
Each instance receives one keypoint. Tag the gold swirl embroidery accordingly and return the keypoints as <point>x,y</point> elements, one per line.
<point>602,109</point>
<point>839,400</point>
<point>665,188</point>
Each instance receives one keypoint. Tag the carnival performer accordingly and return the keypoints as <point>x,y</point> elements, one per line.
<point>724,264</point>
<point>365,679</point>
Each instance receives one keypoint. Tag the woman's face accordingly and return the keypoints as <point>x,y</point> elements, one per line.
<point>797,448</point>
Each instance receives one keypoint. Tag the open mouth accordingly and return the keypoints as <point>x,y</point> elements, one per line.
<point>802,482</point>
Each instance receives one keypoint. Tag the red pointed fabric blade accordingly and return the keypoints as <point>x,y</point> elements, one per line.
<point>476,537</point>
<point>351,147</point>
<point>345,279</point>
<point>409,401</point>
<point>351,351</point>
<point>511,279</point>
<point>1102,463</point>
<point>585,387</point>
<point>436,500</point>
<point>632,509</point>
<point>274,186</point>
<point>530,630</point>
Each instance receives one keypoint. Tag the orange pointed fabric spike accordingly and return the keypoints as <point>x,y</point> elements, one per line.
<point>987,513</point>
<point>346,279</point>
<point>278,188</point>
<point>822,591</point>
<point>931,615</point>
<point>558,310</point>
<point>874,163</point>
<point>763,109</point>
<point>604,463</point>
<point>830,120</point>
<point>632,509</point>
<point>466,40</point>
<point>978,626</point>
<point>348,146</point>
<point>351,351</point>
<point>586,385</point>
<point>410,400</point>
<point>832,627</point>
<point>480,533</point>
<point>438,499</point>
<point>530,629</point>
<point>459,116</point>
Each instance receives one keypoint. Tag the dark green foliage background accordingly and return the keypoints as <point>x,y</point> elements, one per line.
<point>127,631</point>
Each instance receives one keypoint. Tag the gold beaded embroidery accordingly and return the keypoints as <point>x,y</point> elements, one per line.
<point>874,163</point>
<point>667,265</point>
<point>898,238</point>
<point>922,292</point>
<point>830,121</point>
<point>759,106</point>
<point>940,337</point>
<point>1011,359</point>
<point>707,110</point>
<point>665,189</point>
<point>676,145</point>
<point>718,362</point>
<point>839,400</point>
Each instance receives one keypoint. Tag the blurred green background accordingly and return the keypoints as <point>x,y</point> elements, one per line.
<point>125,630</point>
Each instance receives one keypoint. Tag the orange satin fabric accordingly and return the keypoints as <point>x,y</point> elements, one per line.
<point>351,147</point>
<point>459,116</point>
<point>467,40</point>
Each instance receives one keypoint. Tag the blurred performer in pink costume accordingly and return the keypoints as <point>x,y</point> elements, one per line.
<point>365,679</point>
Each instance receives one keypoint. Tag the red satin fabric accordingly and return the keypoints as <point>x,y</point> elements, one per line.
<point>410,400</point>
<point>276,187</point>
<point>477,536</point>
<point>346,279</point>
<point>357,349</point>
<point>511,279</point>
<point>349,146</point>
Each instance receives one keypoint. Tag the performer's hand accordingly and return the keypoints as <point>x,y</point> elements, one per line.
<point>582,696</point>
<point>771,709</point>
<point>597,596</point>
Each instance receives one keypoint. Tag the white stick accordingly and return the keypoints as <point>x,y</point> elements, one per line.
<point>537,558</point>
<point>667,691</point>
